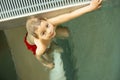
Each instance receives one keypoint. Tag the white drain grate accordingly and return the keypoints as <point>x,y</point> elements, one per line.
<point>11,9</point>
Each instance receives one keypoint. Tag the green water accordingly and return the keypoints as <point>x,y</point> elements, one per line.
<point>92,52</point>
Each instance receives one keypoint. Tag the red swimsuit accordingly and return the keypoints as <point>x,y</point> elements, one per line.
<point>29,46</point>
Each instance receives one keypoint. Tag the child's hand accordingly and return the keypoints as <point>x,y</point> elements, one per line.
<point>95,4</point>
<point>37,42</point>
<point>49,66</point>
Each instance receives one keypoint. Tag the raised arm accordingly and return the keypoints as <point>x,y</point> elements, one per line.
<point>95,4</point>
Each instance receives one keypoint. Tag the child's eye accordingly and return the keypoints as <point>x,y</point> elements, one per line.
<point>47,25</point>
<point>43,33</point>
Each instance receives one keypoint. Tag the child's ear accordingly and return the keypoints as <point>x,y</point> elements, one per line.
<point>35,35</point>
<point>45,18</point>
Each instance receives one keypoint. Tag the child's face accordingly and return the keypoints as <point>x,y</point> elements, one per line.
<point>46,31</point>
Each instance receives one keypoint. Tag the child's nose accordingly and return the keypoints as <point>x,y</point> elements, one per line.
<point>49,31</point>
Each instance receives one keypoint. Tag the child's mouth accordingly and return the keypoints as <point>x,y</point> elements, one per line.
<point>52,34</point>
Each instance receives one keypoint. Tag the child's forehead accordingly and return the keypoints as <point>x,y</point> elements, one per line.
<point>42,25</point>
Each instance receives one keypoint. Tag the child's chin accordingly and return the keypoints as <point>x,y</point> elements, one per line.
<point>54,35</point>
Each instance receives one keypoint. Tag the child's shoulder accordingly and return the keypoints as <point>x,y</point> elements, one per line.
<point>30,39</point>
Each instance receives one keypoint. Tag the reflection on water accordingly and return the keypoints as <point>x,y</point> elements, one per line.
<point>95,52</point>
<point>67,59</point>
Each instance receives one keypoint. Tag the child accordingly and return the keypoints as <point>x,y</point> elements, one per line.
<point>42,31</point>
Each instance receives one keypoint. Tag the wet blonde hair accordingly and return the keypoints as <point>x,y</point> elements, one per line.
<point>32,25</point>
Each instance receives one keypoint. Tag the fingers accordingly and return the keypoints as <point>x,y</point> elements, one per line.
<point>50,66</point>
<point>97,1</point>
<point>37,42</point>
<point>100,1</point>
<point>95,4</point>
<point>99,7</point>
